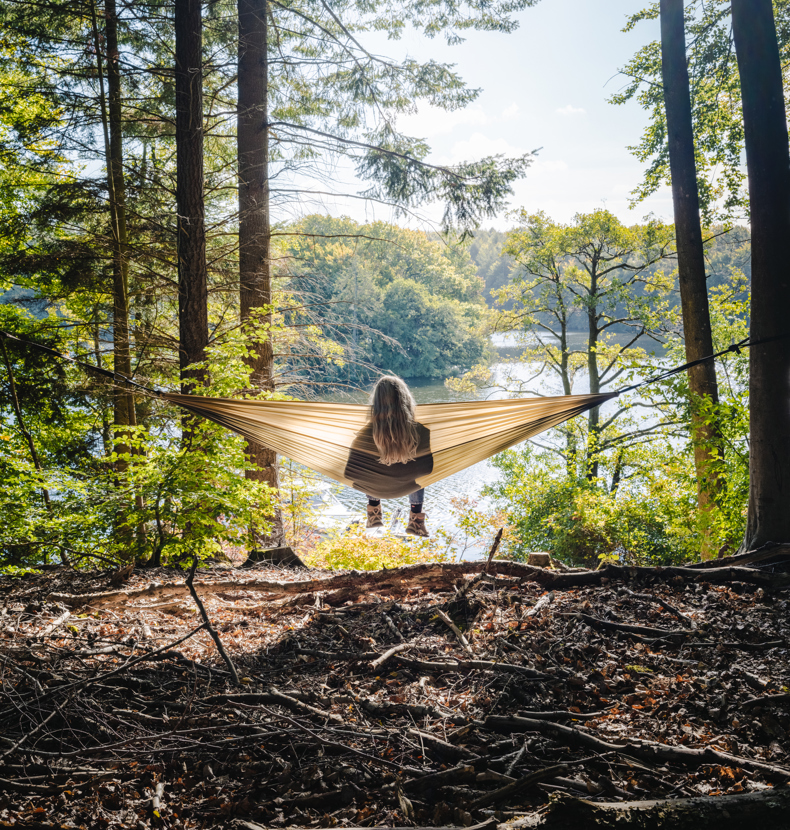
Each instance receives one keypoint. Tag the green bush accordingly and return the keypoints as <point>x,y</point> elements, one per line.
<point>580,521</point>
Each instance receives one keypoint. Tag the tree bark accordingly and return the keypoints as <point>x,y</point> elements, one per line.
<point>112,127</point>
<point>706,437</point>
<point>192,272</point>
<point>255,225</point>
<point>124,400</point>
<point>124,413</point>
<point>768,167</point>
<point>594,416</point>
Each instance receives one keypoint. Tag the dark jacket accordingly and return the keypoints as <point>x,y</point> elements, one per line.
<point>380,481</point>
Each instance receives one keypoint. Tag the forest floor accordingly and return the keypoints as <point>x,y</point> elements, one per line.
<point>433,695</point>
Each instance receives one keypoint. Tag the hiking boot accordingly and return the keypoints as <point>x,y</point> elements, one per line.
<point>416,525</point>
<point>375,516</point>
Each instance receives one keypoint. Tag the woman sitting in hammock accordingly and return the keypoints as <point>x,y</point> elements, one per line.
<point>392,449</point>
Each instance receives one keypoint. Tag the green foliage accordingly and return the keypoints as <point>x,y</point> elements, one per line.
<point>593,275</point>
<point>726,524</point>
<point>352,549</point>
<point>494,266</point>
<point>396,299</point>
<point>167,486</point>
<point>182,489</point>
<point>641,507</point>
<point>579,520</point>
<point>715,100</point>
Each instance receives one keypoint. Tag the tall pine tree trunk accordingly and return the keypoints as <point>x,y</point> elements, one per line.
<point>124,414</point>
<point>706,437</point>
<point>112,128</point>
<point>192,274</point>
<point>254,221</point>
<point>768,166</point>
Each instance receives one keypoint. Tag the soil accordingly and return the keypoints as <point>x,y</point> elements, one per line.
<point>429,696</point>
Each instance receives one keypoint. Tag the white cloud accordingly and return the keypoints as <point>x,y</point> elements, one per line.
<point>511,111</point>
<point>570,110</point>
<point>549,166</point>
<point>479,146</point>
<point>432,121</point>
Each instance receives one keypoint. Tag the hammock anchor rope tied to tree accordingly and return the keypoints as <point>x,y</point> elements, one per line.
<point>335,438</point>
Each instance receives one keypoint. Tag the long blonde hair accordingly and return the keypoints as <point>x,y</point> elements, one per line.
<point>392,416</point>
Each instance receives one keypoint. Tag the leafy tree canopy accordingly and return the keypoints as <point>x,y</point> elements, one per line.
<point>715,101</point>
<point>409,303</point>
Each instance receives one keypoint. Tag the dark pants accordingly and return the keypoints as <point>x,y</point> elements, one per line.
<point>417,497</point>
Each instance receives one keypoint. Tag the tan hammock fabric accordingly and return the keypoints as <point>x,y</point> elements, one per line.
<point>335,439</point>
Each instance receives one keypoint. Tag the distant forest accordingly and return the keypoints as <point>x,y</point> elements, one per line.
<point>727,252</point>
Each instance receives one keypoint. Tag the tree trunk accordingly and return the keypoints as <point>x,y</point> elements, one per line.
<point>124,414</point>
<point>124,400</point>
<point>192,274</point>
<point>706,437</point>
<point>768,166</point>
<point>594,416</point>
<point>112,127</point>
<point>254,223</point>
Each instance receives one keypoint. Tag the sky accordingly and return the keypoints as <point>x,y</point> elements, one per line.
<point>545,85</point>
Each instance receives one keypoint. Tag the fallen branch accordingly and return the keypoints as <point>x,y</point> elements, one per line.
<point>392,627</point>
<point>443,748</point>
<point>384,709</point>
<point>644,750</point>
<point>562,715</point>
<point>207,622</point>
<point>460,773</point>
<point>382,762</point>
<point>54,624</point>
<point>456,630</point>
<point>471,665</point>
<point>275,696</point>
<point>436,575</point>
<point>379,661</point>
<point>766,700</point>
<point>518,786</point>
<point>156,799</point>
<point>492,552</point>
<point>766,809</point>
<point>646,631</point>
<point>663,603</point>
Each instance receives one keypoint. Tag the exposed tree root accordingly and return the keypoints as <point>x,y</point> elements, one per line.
<point>768,810</point>
<point>432,576</point>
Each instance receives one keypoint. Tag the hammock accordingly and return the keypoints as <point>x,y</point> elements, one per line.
<point>335,439</point>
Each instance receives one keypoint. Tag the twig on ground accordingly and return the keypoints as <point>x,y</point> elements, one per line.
<point>32,732</point>
<point>392,627</point>
<point>207,623</point>
<point>663,603</point>
<point>379,661</point>
<point>156,800</point>
<point>497,540</point>
<point>456,630</point>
